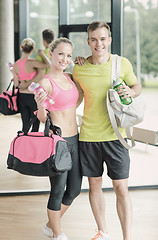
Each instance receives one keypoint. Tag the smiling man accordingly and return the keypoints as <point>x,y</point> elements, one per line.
<point>98,142</point>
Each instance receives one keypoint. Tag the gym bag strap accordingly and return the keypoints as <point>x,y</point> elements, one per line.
<point>115,73</point>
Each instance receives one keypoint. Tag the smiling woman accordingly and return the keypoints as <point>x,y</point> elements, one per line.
<point>60,87</point>
<point>66,187</point>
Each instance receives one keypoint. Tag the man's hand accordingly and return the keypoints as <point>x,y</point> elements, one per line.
<point>125,91</point>
<point>80,60</point>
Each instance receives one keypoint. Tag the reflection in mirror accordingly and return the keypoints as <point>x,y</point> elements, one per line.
<point>11,180</point>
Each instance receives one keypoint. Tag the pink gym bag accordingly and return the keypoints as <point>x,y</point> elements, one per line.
<point>40,153</point>
<point>8,101</point>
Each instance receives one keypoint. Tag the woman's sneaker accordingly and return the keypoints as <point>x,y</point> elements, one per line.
<point>60,237</point>
<point>47,231</point>
<point>100,236</point>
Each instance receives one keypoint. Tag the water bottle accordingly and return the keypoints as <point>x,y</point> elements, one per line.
<point>37,87</point>
<point>10,65</point>
<point>118,82</point>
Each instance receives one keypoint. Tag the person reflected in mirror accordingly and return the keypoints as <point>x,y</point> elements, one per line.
<point>24,71</point>
<point>48,36</point>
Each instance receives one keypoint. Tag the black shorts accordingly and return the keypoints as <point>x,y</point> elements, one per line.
<point>113,153</point>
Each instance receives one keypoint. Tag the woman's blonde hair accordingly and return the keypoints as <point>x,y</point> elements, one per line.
<point>56,42</point>
<point>27,45</point>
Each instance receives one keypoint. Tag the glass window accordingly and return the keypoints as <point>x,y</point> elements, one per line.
<point>85,11</point>
<point>42,15</point>
<point>140,47</point>
<point>140,39</point>
<point>81,47</point>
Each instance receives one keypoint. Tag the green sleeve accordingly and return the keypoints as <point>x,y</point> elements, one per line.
<point>129,76</point>
<point>39,58</point>
<point>75,74</point>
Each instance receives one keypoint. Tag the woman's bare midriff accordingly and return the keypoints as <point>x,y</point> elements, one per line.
<point>68,125</point>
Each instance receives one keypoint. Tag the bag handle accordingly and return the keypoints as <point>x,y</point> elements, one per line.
<point>115,68</point>
<point>115,73</point>
<point>10,96</point>
<point>48,125</point>
<point>13,89</point>
<point>9,85</point>
<point>32,120</point>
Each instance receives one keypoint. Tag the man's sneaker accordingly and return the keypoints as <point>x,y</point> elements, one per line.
<point>60,237</point>
<point>100,236</point>
<point>47,231</point>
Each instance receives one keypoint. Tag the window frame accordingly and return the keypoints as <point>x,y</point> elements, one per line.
<point>116,24</point>
<point>65,28</point>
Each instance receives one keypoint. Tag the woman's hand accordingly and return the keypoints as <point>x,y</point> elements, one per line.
<point>23,85</point>
<point>40,52</point>
<point>40,97</point>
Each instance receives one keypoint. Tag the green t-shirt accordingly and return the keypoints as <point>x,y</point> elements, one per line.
<point>94,81</point>
<point>39,58</point>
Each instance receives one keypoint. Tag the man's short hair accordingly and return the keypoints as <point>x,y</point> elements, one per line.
<point>96,25</point>
<point>48,35</point>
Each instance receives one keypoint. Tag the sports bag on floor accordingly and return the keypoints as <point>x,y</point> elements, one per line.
<point>8,101</point>
<point>40,153</point>
<point>124,116</point>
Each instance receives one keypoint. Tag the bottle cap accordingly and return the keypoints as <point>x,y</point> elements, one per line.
<point>51,101</point>
<point>117,81</point>
<point>34,85</point>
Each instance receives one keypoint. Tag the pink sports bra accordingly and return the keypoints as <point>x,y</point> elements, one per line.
<point>64,99</point>
<point>23,75</point>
